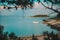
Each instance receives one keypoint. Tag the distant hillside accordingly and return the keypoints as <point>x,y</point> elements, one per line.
<point>40,16</point>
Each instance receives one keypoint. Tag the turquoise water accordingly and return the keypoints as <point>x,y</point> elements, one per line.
<point>24,26</point>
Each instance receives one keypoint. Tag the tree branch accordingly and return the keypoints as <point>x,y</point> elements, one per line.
<point>51,8</point>
<point>52,5</point>
<point>51,13</point>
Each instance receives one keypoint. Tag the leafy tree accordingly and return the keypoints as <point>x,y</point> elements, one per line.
<point>12,36</point>
<point>3,35</point>
<point>1,32</point>
<point>51,35</point>
<point>1,28</point>
<point>3,0</point>
<point>51,7</point>
<point>6,36</point>
<point>34,38</point>
<point>25,3</point>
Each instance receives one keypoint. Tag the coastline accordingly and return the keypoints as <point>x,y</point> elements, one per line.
<point>39,37</point>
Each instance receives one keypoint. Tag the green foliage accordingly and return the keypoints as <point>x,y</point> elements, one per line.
<point>4,35</point>
<point>25,3</point>
<point>34,37</point>
<point>1,28</point>
<point>51,36</point>
<point>1,32</point>
<point>53,1</point>
<point>12,36</point>
<point>3,0</point>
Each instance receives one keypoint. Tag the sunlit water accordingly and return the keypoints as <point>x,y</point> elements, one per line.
<point>24,26</point>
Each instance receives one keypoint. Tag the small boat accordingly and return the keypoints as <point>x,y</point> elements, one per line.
<point>35,22</point>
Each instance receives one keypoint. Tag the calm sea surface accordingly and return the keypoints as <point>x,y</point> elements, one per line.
<point>24,26</point>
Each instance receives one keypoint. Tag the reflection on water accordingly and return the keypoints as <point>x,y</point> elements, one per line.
<point>24,26</point>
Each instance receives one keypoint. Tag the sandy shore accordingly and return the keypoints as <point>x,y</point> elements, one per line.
<point>39,37</point>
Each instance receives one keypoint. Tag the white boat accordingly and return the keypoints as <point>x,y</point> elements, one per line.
<point>35,22</point>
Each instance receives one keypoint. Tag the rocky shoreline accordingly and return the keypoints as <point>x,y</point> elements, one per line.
<point>53,23</point>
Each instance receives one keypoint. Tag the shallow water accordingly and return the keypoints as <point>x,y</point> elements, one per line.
<point>24,26</point>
